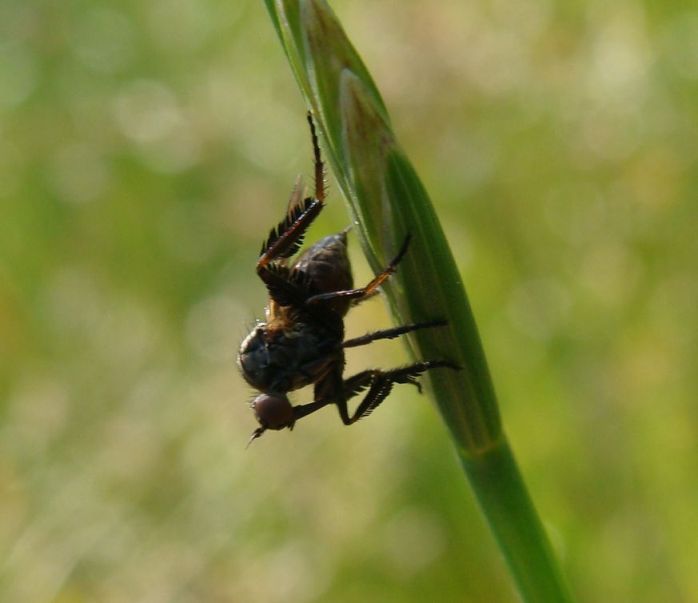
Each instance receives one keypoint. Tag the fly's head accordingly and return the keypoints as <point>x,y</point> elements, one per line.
<point>272,411</point>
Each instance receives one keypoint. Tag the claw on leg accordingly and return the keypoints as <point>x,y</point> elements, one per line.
<point>380,384</point>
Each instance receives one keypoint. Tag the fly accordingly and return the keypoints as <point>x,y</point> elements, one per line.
<point>302,342</point>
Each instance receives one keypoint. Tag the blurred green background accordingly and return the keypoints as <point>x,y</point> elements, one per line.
<point>146,149</point>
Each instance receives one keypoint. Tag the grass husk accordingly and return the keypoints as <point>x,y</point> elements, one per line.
<point>387,201</point>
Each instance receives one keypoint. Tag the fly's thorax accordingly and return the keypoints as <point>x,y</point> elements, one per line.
<point>282,360</point>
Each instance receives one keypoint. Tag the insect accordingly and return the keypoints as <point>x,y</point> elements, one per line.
<point>302,340</point>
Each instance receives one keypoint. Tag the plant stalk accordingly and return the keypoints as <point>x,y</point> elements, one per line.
<point>388,201</point>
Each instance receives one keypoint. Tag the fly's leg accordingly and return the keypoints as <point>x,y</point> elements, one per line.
<point>391,333</point>
<point>327,390</point>
<point>369,290</point>
<point>303,410</point>
<point>356,302</point>
<point>287,238</point>
<point>379,384</point>
<point>317,160</point>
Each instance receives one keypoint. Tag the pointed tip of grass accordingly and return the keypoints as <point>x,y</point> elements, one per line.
<point>366,140</point>
<point>330,51</point>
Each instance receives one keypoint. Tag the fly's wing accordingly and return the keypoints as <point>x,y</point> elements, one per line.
<point>296,195</point>
<point>287,286</point>
<point>286,238</point>
<point>294,206</point>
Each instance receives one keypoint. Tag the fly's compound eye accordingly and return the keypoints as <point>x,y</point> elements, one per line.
<point>273,411</point>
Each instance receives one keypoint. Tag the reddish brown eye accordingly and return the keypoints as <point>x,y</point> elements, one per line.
<point>273,411</point>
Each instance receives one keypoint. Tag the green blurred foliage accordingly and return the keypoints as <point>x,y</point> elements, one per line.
<point>146,148</point>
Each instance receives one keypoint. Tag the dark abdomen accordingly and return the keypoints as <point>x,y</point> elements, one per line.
<point>327,265</point>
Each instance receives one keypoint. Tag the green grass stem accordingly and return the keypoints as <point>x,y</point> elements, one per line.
<point>387,201</point>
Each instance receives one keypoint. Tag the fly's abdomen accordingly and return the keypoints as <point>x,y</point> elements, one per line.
<point>327,265</point>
